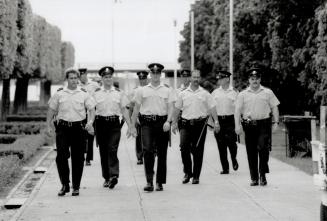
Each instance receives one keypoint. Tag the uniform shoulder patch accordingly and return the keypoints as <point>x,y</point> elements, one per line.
<point>166,85</point>
<point>117,89</point>
<point>82,89</point>
<point>98,89</point>
<point>235,90</point>
<point>60,89</point>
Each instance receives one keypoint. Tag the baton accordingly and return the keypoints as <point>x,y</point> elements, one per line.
<point>204,126</point>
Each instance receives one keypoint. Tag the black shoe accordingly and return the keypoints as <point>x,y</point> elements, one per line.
<point>159,187</point>
<point>224,172</point>
<point>195,181</point>
<point>254,183</point>
<point>64,189</point>
<point>106,183</point>
<point>263,180</point>
<point>87,163</point>
<point>75,192</point>
<point>112,182</point>
<point>186,178</point>
<point>235,165</point>
<point>139,162</point>
<point>148,187</point>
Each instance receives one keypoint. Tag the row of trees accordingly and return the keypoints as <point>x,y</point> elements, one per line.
<point>288,38</point>
<point>30,47</point>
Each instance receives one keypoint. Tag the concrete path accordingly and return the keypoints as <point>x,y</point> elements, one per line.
<point>290,194</point>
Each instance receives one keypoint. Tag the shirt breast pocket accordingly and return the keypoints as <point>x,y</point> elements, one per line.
<point>79,104</point>
<point>100,103</point>
<point>64,103</point>
<point>164,97</point>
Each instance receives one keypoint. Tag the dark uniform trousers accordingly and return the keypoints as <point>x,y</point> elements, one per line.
<point>190,133</point>
<point>108,136</point>
<point>226,138</point>
<point>89,149</point>
<point>258,144</point>
<point>154,140</point>
<point>138,143</point>
<point>70,141</point>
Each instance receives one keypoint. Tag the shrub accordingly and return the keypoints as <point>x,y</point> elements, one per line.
<point>22,127</point>
<point>8,138</point>
<point>25,147</point>
<point>17,117</point>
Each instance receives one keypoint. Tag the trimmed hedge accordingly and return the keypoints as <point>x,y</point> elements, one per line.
<point>9,138</point>
<point>17,117</point>
<point>25,147</point>
<point>22,127</point>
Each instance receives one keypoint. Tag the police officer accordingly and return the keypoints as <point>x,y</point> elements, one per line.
<point>154,103</point>
<point>143,80</point>
<point>185,79</point>
<point>225,97</point>
<point>90,87</point>
<point>110,104</point>
<point>69,105</point>
<point>196,104</point>
<point>254,107</point>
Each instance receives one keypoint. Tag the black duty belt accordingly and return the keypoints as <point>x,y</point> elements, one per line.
<point>153,117</point>
<point>193,121</point>
<point>72,123</point>
<point>247,121</point>
<point>107,118</point>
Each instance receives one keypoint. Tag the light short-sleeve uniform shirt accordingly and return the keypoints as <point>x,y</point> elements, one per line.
<point>225,100</point>
<point>194,104</point>
<point>90,87</point>
<point>256,105</point>
<point>71,105</point>
<point>154,100</point>
<point>110,102</point>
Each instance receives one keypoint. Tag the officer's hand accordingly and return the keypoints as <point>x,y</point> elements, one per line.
<point>216,128</point>
<point>174,128</point>
<point>238,129</point>
<point>275,127</point>
<point>89,128</point>
<point>166,126</point>
<point>133,131</point>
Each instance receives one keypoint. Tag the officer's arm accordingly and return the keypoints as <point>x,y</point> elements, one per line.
<point>91,116</point>
<point>50,115</point>
<point>213,114</point>
<point>275,114</point>
<point>136,111</point>
<point>127,118</point>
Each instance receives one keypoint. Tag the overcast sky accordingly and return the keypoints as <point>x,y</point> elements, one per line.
<point>138,31</point>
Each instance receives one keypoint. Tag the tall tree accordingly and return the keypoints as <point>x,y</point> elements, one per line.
<point>24,55</point>
<point>8,46</point>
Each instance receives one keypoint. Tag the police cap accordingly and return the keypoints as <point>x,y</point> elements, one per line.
<point>106,70</point>
<point>142,75</point>
<point>254,72</point>
<point>82,70</point>
<point>186,73</point>
<point>156,67</point>
<point>223,74</point>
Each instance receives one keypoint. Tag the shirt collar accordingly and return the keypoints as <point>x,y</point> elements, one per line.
<point>257,91</point>
<point>78,89</point>
<point>112,88</point>
<point>160,85</point>
<point>197,90</point>
<point>230,88</point>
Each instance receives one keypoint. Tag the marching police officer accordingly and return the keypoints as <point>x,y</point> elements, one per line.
<point>69,105</point>
<point>90,87</point>
<point>225,97</point>
<point>186,80</point>
<point>254,107</point>
<point>154,104</point>
<point>196,104</point>
<point>110,104</point>
<point>143,80</point>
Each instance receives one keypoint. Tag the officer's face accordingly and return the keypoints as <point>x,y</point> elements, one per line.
<point>143,81</point>
<point>107,80</point>
<point>195,78</point>
<point>223,81</point>
<point>186,80</point>
<point>155,76</point>
<point>83,78</point>
<point>254,82</point>
<point>72,80</point>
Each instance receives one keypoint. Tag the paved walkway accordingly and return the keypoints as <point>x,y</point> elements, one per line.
<point>290,194</point>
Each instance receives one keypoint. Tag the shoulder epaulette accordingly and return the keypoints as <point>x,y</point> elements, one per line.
<point>82,89</point>
<point>166,85</point>
<point>117,89</point>
<point>183,89</point>
<point>235,90</point>
<point>98,89</point>
<point>60,89</point>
